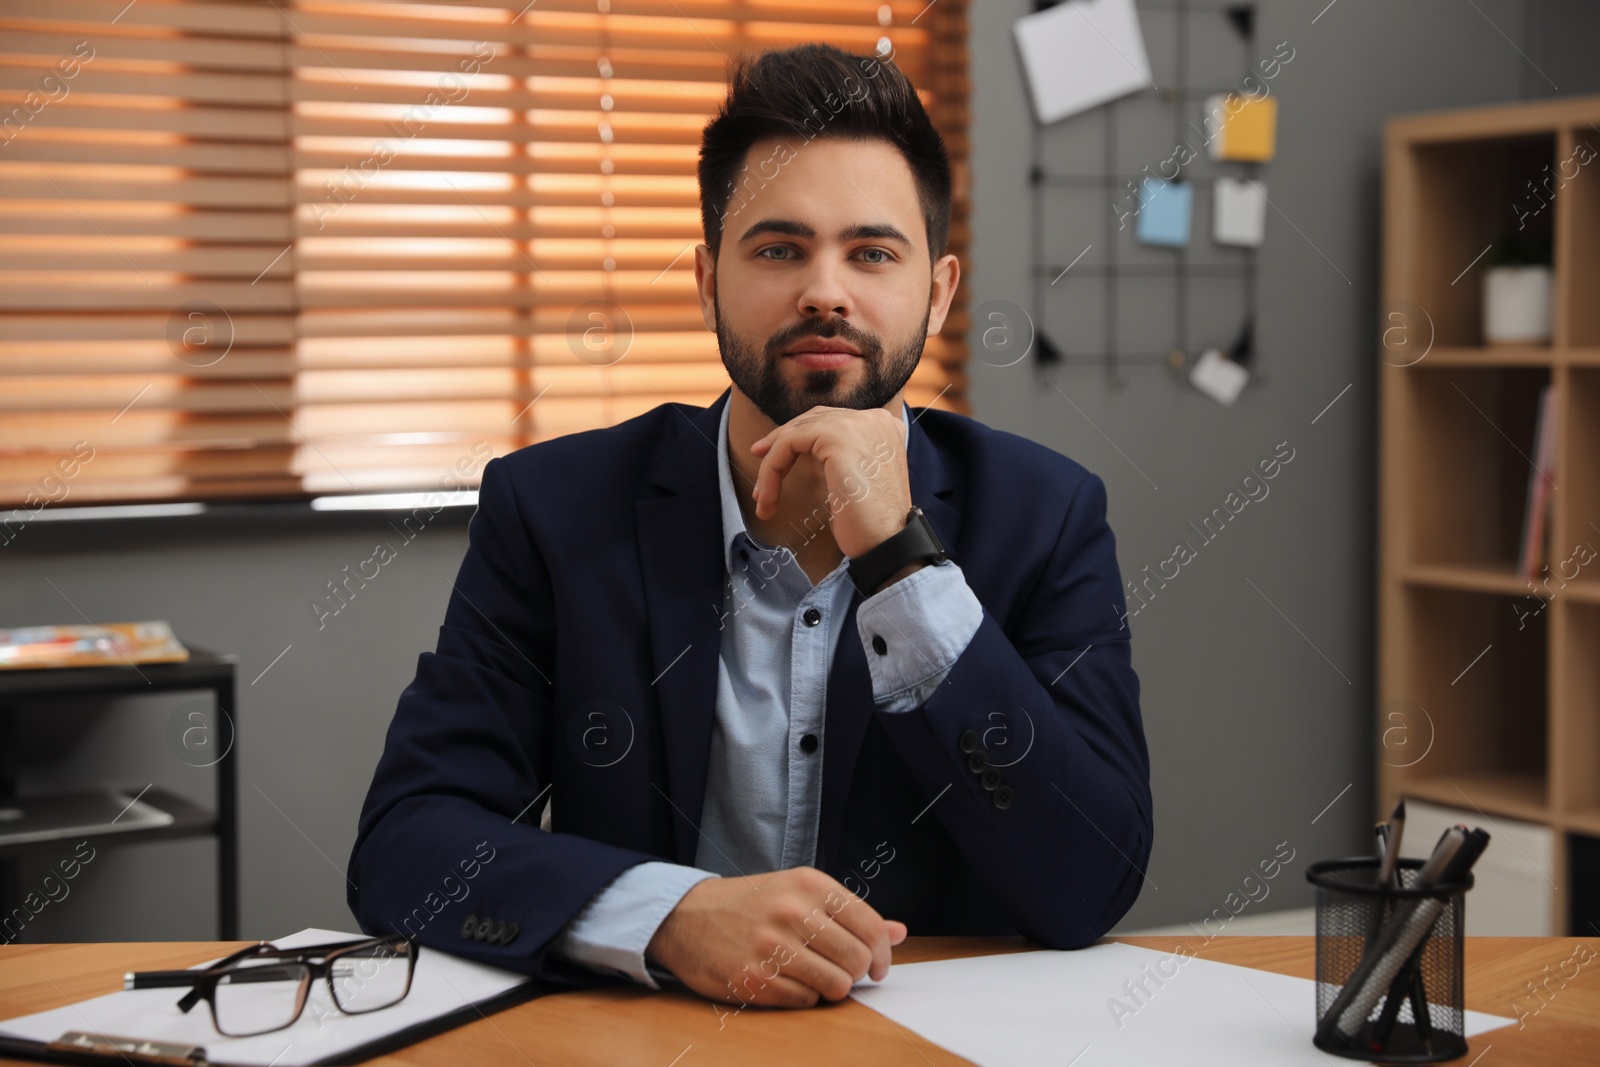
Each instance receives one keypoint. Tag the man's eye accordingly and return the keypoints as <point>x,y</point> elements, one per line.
<point>884,252</point>
<point>774,248</point>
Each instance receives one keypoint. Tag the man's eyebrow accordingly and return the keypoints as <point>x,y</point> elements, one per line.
<point>879,230</point>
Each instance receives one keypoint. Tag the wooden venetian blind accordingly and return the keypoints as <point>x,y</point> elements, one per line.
<point>272,250</point>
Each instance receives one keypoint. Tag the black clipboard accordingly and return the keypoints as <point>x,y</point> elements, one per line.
<point>101,1050</point>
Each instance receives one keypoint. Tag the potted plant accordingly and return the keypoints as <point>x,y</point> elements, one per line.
<point>1516,290</point>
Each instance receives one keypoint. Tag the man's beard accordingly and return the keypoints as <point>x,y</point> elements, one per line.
<point>761,378</point>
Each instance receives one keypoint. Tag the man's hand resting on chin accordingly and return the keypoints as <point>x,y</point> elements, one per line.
<point>781,939</point>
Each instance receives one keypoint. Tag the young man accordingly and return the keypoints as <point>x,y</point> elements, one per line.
<point>805,670</point>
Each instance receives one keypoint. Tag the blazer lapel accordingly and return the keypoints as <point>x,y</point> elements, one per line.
<point>680,551</point>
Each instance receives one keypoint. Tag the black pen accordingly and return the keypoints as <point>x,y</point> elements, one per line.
<point>1459,860</point>
<point>1391,850</point>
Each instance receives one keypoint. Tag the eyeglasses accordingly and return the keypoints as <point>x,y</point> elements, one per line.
<point>263,988</point>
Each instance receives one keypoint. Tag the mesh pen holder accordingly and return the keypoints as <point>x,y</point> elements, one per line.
<point>1401,1006</point>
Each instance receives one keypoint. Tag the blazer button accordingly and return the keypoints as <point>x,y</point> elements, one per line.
<point>808,743</point>
<point>978,762</point>
<point>510,934</point>
<point>812,616</point>
<point>970,742</point>
<point>879,646</point>
<point>991,779</point>
<point>468,926</point>
<point>497,931</point>
<point>482,932</point>
<point>1003,797</point>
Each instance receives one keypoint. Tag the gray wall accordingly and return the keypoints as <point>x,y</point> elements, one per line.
<point>1252,732</point>
<point>1257,661</point>
<point>1560,39</point>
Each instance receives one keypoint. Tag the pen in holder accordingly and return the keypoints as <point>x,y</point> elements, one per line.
<point>1390,975</point>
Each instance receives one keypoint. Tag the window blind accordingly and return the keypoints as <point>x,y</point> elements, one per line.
<point>290,249</point>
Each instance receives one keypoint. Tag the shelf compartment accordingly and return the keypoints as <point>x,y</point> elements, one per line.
<point>1578,676</point>
<point>1470,433</point>
<point>1579,473</point>
<point>1478,670</point>
<point>188,820</point>
<point>1468,194</point>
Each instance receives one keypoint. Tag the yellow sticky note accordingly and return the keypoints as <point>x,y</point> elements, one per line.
<point>1241,128</point>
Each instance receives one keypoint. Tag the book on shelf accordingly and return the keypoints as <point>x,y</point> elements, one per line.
<point>109,644</point>
<point>1536,513</point>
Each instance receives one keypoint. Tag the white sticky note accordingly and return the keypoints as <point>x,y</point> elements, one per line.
<point>1080,54</point>
<point>1218,377</point>
<point>1238,212</point>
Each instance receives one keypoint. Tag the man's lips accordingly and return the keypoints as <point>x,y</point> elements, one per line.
<point>822,359</point>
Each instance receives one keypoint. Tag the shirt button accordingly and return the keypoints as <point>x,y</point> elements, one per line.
<point>879,646</point>
<point>1003,797</point>
<point>812,616</point>
<point>969,742</point>
<point>808,743</point>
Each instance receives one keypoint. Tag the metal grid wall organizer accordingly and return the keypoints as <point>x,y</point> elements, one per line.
<point>1113,270</point>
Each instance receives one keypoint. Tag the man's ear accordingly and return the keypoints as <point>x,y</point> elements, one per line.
<point>705,284</point>
<point>942,290</point>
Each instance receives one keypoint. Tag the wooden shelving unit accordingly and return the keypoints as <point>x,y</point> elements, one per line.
<point>1512,702</point>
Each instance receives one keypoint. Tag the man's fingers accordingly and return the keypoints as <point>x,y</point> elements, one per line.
<point>779,991</point>
<point>820,973</point>
<point>862,920</point>
<point>838,944</point>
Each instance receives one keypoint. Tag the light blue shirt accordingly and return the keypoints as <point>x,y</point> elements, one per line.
<point>764,778</point>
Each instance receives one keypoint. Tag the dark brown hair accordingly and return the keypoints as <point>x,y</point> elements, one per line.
<point>817,90</point>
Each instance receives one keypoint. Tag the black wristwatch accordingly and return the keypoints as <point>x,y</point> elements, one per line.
<point>916,542</point>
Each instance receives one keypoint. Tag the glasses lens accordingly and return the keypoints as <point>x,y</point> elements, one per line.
<point>372,977</point>
<point>260,995</point>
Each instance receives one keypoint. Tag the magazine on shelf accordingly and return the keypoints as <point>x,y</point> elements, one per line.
<point>110,644</point>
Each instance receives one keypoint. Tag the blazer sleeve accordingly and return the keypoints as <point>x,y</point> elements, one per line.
<point>449,831</point>
<point>1061,842</point>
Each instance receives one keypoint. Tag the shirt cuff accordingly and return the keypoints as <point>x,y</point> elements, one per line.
<point>914,631</point>
<point>612,931</point>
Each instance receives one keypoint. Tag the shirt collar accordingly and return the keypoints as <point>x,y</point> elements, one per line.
<point>732,518</point>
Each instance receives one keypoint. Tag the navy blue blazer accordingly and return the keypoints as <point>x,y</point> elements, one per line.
<point>590,600</point>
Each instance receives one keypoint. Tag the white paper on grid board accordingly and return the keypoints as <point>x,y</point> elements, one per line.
<point>1218,377</point>
<point>1238,212</point>
<point>1080,54</point>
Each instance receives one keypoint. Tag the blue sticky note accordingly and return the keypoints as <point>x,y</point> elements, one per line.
<point>1164,212</point>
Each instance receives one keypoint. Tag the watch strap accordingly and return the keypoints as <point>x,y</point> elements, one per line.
<point>916,542</point>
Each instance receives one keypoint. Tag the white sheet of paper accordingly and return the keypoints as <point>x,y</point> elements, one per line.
<point>1218,377</point>
<point>441,984</point>
<point>1080,54</point>
<point>1044,1009</point>
<point>1239,212</point>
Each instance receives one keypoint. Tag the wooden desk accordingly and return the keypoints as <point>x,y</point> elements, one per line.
<point>632,1025</point>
